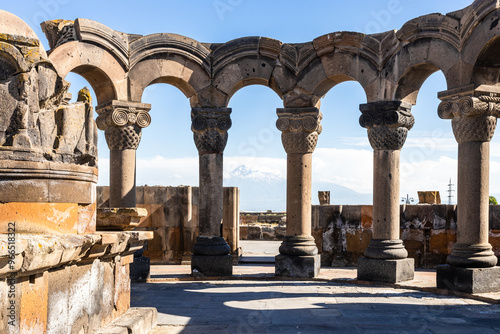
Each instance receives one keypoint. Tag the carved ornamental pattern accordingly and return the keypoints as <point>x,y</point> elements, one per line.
<point>387,122</point>
<point>123,123</point>
<point>474,118</point>
<point>210,126</point>
<point>300,128</point>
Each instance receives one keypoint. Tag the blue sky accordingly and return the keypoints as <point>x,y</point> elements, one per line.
<point>167,154</point>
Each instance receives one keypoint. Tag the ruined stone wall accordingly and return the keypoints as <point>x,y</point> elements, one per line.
<point>343,232</point>
<point>262,225</point>
<point>173,216</point>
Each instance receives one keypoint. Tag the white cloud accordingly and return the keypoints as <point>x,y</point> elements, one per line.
<point>351,168</point>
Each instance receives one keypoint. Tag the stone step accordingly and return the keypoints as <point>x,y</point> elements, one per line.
<point>137,320</point>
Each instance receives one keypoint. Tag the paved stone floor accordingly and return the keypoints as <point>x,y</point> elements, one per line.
<point>261,306</point>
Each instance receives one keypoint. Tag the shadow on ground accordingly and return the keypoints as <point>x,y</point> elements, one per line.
<point>309,307</point>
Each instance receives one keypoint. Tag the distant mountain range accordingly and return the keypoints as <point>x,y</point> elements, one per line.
<point>266,190</point>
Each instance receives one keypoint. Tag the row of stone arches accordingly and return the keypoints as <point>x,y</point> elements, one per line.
<point>391,67</point>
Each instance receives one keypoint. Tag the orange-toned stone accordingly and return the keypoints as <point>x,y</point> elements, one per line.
<point>317,233</point>
<point>155,217</point>
<point>438,242</point>
<point>87,218</point>
<point>358,240</point>
<point>34,298</point>
<point>155,256</point>
<point>40,217</point>
<point>122,288</point>
<point>367,216</point>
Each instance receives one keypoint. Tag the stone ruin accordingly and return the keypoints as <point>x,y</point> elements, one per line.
<point>49,163</point>
<point>59,272</point>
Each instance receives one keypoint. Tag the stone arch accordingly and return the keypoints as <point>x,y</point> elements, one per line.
<point>11,61</point>
<point>168,58</point>
<point>246,61</point>
<point>100,68</point>
<point>486,69</point>
<point>408,69</point>
<point>341,56</point>
<point>480,42</point>
<point>333,70</point>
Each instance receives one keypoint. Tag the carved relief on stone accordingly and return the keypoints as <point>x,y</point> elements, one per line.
<point>59,32</point>
<point>210,126</point>
<point>34,118</point>
<point>473,118</point>
<point>123,122</point>
<point>387,123</point>
<point>300,128</point>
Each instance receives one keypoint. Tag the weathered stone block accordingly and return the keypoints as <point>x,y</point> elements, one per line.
<point>34,295</point>
<point>494,217</point>
<point>254,232</point>
<point>429,197</point>
<point>212,265</point>
<point>469,280</point>
<point>40,217</point>
<point>351,215</point>
<point>297,266</point>
<point>358,240</point>
<point>325,215</point>
<point>390,271</point>
<point>367,216</point>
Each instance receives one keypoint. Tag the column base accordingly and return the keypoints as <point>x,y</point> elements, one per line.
<point>469,280</point>
<point>390,271</point>
<point>140,268</point>
<point>297,266</point>
<point>212,265</point>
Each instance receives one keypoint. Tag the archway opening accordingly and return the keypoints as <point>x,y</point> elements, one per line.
<point>167,177</point>
<point>255,162</point>
<point>342,165</point>
<point>428,157</point>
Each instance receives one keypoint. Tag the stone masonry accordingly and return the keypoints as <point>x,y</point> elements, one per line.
<point>49,162</point>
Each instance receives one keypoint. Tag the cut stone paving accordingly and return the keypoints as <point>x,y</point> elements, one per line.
<point>249,306</point>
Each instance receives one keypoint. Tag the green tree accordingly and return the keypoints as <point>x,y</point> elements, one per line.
<point>493,200</point>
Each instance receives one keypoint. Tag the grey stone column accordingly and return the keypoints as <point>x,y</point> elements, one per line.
<point>122,123</point>
<point>474,120</point>
<point>386,259</point>
<point>298,253</point>
<point>211,252</point>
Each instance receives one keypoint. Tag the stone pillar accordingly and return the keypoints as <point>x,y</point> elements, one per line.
<point>122,122</point>
<point>298,253</point>
<point>386,259</point>
<point>474,116</point>
<point>211,253</point>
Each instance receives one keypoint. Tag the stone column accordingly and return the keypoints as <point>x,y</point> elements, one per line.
<point>474,116</point>
<point>122,122</point>
<point>298,253</point>
<point>211,252</point>
<point>386,259</point>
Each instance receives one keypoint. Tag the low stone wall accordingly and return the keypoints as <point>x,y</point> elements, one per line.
<point>173,217</point>
<point>67,282</point>
<point>343,232</point>
<point>262,225</point>
<point>262,232</point>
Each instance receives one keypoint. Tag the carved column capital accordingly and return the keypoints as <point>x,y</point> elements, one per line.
<point>387,123</point>
<point>210,126</point>
<point>122,123</point>
<point>473,117</point>
<point>300,128</point>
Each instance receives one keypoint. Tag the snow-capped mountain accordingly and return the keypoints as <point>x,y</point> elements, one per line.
<point>265,189</point>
